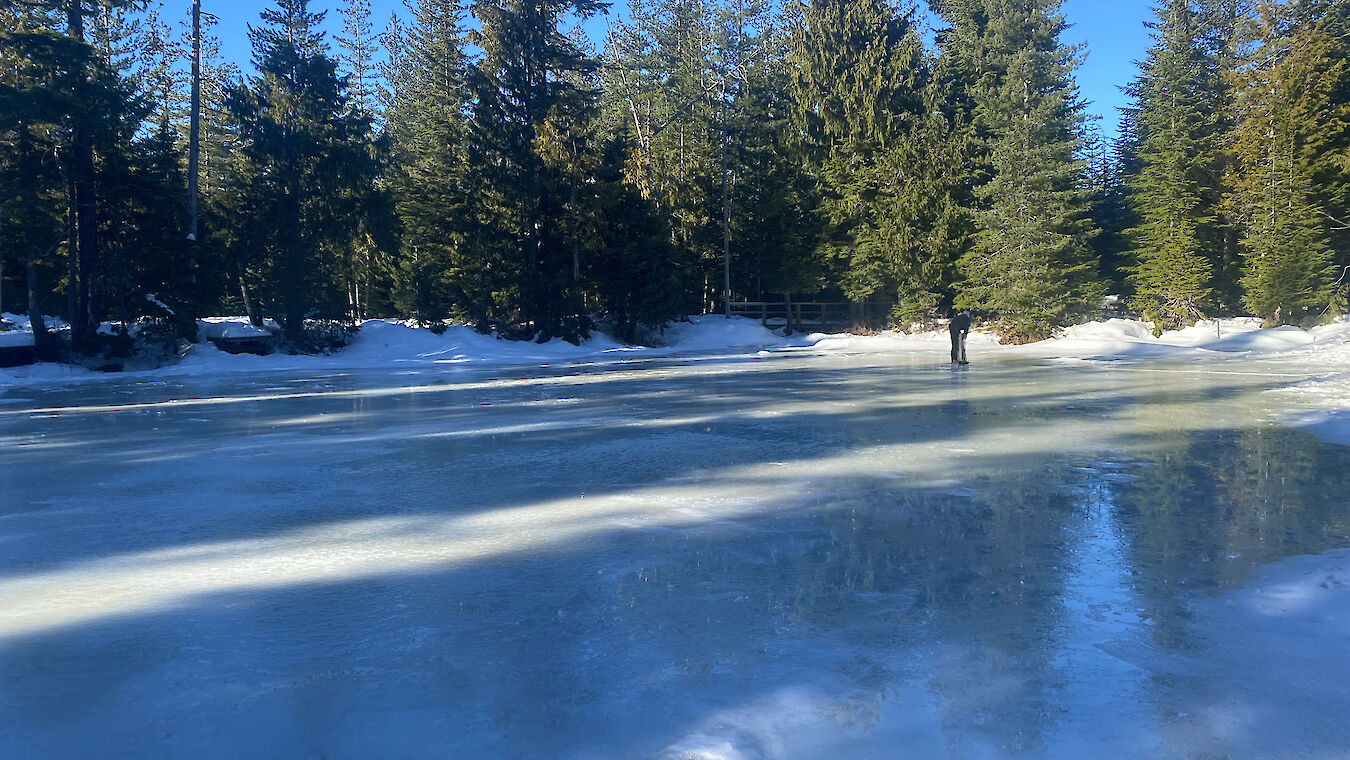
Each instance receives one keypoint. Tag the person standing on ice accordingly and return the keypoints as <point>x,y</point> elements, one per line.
<point>960,327</point>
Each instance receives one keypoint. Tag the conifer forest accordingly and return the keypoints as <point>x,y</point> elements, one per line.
<point>489,163</point>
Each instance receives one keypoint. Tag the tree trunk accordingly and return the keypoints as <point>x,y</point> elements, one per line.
<point>42,340</point>
<point>194,150</point>
<point>254,317</point>
<point>88,308</point>
<point>72,264</point>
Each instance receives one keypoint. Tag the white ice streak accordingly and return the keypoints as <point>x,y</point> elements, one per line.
<point>163,579</point>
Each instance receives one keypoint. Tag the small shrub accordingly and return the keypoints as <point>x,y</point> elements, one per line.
<point>322,336</point>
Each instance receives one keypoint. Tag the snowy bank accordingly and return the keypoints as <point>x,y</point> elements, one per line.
<point>15,331</point>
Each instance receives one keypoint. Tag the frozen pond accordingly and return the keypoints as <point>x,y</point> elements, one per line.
<point>782,555</point>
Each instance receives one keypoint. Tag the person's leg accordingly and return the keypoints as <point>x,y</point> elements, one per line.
<point>962,360</point>
<point>956,346</point>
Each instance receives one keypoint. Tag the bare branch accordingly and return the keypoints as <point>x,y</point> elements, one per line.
<point>1341,224</point>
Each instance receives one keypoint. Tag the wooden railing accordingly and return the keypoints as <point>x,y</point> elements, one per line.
<point>796,315</point>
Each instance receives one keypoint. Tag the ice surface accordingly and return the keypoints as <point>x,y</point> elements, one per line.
<point>813,551</point>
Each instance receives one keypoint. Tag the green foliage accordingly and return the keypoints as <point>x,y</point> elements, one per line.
<point>36,65</point>
<point>425,102</point>
<point>1030,263</point>
<point>660,87</point>
<point>774,228</point>
<point>878,149</point>
<point>625,250</point>
<point>1177,142</point>
<point>1104,182</point>
<point>305,167</point>
<point>490,171</point>
<point>1294,85</point>
<point>526,141</point>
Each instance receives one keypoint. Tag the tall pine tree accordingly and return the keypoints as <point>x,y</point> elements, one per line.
<point>1177,143</point>
<point>305,165</point>
<point>529,93</point>
<point>862,86</point>
<point>660,82</point>
<point>1289,92</point>
<point>1030,265</point>
<point>426,120</point>
<point>36,64</point>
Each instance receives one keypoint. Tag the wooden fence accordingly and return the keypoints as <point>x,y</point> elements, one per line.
<point>797,315</point>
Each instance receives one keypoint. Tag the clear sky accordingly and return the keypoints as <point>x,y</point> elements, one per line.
<point>1113,30</point>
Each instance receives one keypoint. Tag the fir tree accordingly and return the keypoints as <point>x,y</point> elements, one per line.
<point>861,85</point>
<point>36,65</point>
<point>774,228</point>
<point>357,60</point>
<point>1030,264</point>
<point>1104,181</point>
<point>1288,94</point>
<point>139,179</point>
<point>527,97</point>
<point>425,118</point>
<point>305,164</point>
<point>1176,147</point>
<point>660,82</point>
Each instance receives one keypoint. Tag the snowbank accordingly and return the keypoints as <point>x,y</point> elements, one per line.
<point>15,338</point>
<point>715,331</point>
<point>387,341</point>
<point>15,331</point>
<point>214,328</point>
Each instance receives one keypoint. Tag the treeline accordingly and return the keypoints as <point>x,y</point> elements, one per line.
<point>1233,189</point>
<point>482,162</point>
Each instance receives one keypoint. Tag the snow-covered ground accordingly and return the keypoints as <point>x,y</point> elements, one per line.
<point>736,546</point>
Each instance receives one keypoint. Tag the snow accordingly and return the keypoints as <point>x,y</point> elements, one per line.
<point>15,338</point>
<point>155,300</point>
<point>214,328</point>
<point>15,331</point>
<point>712,331</point>
<point>737,546</point>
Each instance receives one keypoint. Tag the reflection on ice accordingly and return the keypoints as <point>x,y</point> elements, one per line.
<point>789,556</point>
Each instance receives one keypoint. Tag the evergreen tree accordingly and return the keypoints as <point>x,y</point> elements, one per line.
<point>304,166</point>
<point>96,102</point>
<point>159,75</point>
<point>357,60</point>
<point>1223,30</point>
<point>774,227</point>
<point>622,245</point>
<point>660,83</point>
<point>1176,148</point>
<point>138,176</point>
<point>529,103</point>
<point>1289,93</point>
<point>1030,264</point>
<point>426,120</point>
<point>363,259</point>
<point>1104,181</point>
<point>861,85</point>
<point>36,64</point>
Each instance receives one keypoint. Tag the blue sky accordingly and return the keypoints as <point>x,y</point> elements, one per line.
<point>1114,32</point>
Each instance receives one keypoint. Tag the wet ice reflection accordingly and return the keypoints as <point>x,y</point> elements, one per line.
<point>796,557</point>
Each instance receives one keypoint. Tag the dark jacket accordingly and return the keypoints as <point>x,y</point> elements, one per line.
<point>960,323</point>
